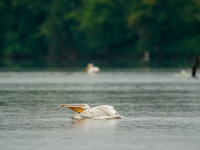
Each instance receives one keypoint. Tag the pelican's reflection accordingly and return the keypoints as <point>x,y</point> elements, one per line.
<point>95,124</point>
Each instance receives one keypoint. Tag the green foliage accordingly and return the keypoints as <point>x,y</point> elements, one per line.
<point>158,21</point>
<point>187,46</point>
<point>63,30</point>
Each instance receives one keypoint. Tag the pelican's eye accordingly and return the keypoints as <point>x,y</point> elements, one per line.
<point>116,113</point>
<point>83,105</point>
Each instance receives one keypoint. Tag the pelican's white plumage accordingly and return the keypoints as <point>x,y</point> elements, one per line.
<point>91,68</point>
<point>98,112</point>
<point>183,74</point>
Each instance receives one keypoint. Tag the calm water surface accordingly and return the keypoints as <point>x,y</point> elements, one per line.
<point>161,112</point>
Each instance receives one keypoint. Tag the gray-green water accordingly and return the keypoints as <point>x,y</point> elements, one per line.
<point>161,112</point>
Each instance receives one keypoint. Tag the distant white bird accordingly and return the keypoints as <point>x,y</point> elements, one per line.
<point>98,112</point>
<point>182,74</point>
<point>91,68</point>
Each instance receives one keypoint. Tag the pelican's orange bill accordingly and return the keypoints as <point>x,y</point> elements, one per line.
<point>86,68</point>
<point>74,107</point>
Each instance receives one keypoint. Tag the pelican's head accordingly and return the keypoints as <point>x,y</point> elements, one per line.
<point>90,65</point>
<point>85,106</point>
<point>76,107</point>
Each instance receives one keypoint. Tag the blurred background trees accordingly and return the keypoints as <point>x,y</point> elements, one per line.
<point>73,31</point>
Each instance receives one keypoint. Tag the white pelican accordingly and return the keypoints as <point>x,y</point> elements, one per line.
<point>182,74</point>
<point>98,112</point>
<point>91,68</point>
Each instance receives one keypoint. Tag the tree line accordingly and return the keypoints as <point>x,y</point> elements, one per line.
<point>70,30</point>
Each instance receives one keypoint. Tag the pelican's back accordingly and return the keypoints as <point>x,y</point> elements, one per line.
<point>99,111</point>
<point>93,70</point>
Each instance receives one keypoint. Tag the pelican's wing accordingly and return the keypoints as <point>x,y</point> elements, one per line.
<point>99,111</point>
<point>96,69</point>
<point>93,70</point>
